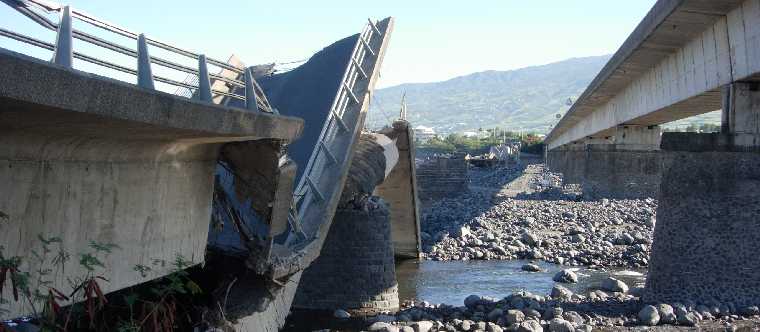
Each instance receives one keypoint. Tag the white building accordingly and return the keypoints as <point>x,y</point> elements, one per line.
<point>423,134</point>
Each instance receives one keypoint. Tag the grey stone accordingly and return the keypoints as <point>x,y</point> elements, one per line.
<point>406,329</point>
<point>529,326</point>
<point>422,326</point>
<point>667,315</point>
<point>529,239</point>
<point>341,314</point>
<point>491,327</point>
<point>614,285</point>
<point>649,316</point>
<point>561,293</point>
<point>514,316</point>
<point>566,276</point>
<point>495,314</point>
<point>750,311</point>
<point>560,325</point>
<point>573,317</point>
<point>471,301</point>
<point>688,319</point>
<point>531,268</point>
<point>382,327</point>
<point>463,232</point>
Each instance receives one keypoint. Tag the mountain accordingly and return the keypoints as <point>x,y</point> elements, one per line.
<point>527,98</point>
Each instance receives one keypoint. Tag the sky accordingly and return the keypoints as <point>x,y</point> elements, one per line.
<point>432,40</point>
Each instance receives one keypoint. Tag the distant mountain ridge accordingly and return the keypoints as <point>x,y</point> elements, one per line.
<point>527,98</point>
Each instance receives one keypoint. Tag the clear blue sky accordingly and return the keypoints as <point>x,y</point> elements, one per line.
<point>433,40</point>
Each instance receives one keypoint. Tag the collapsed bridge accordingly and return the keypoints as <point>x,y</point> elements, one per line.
<point>242,169</point>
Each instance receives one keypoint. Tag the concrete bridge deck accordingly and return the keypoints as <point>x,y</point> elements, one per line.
<point>87,158</point>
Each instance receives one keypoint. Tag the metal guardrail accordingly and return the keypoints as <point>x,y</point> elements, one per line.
<point>319,188</point>
<point>63,53</point>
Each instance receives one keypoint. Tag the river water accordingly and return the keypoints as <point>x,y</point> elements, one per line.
<point>451,281</point>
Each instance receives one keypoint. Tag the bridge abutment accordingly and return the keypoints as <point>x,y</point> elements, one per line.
<point>355,270</point>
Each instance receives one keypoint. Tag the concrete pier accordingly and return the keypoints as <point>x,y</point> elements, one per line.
<point>623,166</point>
<point>355,270</point>
<point>707,219</point>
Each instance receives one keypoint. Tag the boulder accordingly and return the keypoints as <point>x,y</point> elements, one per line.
<point>514,317</point>
<point>649,316</point>
<point>560,325</point>
<point>529,326</point>
<point>614,285</point>
<point>667,315</point>
<point>561,293</point>
<point>471,301</point>
<point>422,326</point>
<point>463,232</point>
<point>573,317</point>
<point>382,327</point>
<point>531,268</point>
<point>341,314</point>
<point>566,276</point>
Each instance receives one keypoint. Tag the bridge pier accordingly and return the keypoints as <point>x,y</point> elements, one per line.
<point>707,228</point>
<point>355,270</point>
<point>623,165</point>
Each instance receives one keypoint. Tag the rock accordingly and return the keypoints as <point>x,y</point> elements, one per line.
<point>406,329</point>
<point>566,276</point>
<point>573,317</point>
<point>495,314</point>
<point>667,315</point>
<point>750,311</point>
<point>689,319</point>
<point>471,301</point>
<point>531,313</point>
<point>341,314</point>
<point>465,326</point>
<point>463,232</point>
<point>529,239</point>
<point>382,327</point>
<point>531,268</point>
<point>614,285</point>
<point>529,326</point>
<point>560,325</point>
<point>491,327</point>
<point>422,326</point>
<point>584,328</point>
<point>649,316</point>
<point>636,291</point>
<point>561,293</point>
<point>514,317</point>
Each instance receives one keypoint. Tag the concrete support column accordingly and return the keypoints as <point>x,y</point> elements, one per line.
<point>705,239</point>
<point>355,270</point>
<point>741,114</point>
<point>635,137</point>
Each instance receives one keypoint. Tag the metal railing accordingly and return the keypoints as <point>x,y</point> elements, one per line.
<point>319,188</point>
<point>63,53</point>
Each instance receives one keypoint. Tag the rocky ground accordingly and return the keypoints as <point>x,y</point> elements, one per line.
<point>516,213</point>
<point>614,308</point>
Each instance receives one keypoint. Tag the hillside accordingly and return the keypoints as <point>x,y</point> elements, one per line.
<point>527,98</point>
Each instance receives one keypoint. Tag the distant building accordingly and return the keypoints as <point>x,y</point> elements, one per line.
<point>423,134</point>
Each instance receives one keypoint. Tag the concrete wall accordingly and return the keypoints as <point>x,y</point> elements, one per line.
<point>705,239</point>
<point>356,269</point>
<point>399,190</point>
<point>442,177</point>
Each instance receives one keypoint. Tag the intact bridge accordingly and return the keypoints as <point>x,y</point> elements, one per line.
<point>686,57</point>
<point>248,170</point>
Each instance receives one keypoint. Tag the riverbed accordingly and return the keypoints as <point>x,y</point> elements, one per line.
<point>450,282</point>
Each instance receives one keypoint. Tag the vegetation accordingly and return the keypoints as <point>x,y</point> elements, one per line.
<point>157,306</point>
<point>452,143</point>
<point>694,128</point>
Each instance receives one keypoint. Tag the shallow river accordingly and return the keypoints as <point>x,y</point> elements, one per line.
<point>451,282</point>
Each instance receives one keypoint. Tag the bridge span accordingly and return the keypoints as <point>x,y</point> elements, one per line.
<point>239,169</point>
<point>687,57</point>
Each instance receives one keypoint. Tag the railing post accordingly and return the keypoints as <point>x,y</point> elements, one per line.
<point>144,72</point>
<point>63,54</point>
<point>250,91</point>
<point>204,82</point>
